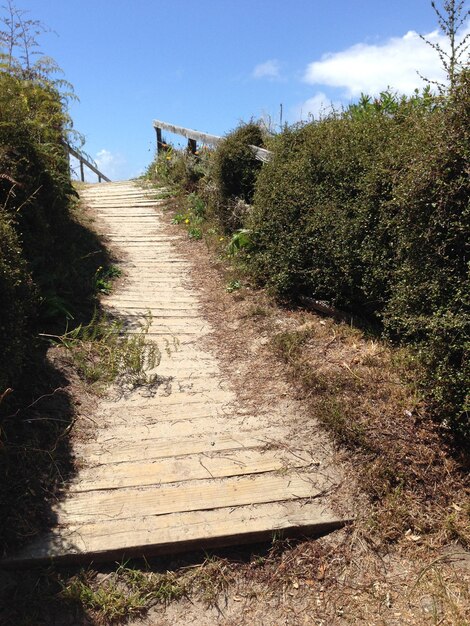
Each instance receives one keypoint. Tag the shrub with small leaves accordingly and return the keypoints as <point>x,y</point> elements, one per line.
<point>234,171</point>
<point>369,209</point>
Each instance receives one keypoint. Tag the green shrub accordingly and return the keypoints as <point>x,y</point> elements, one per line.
<point>429,296</point>
<point>41,236</point>
<point>178,168</point>
<point>234,171</point>
<point>315,208</point>
<point>17,297</point>
<point>369,210</point>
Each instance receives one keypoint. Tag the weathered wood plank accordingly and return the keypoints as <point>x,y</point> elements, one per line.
<point>129,503</point>
<point>184,427</point>
<point>189,133</point>
<point>214,140</point>
<point>122,451</point>
<point>195,467</point>
<point>108,539</point>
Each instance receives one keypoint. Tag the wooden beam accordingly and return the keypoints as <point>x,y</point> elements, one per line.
<point>214,140</point>
<point>90,166</point>
<point>189,133</point>
<point>159,139</point>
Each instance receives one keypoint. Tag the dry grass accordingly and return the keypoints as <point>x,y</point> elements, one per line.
<point>363,392</point>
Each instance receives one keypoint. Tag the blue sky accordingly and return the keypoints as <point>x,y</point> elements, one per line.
<point>207,64</point>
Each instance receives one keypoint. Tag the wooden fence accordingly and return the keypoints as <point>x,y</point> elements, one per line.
<point>90,166</point>
<point>193,136</point>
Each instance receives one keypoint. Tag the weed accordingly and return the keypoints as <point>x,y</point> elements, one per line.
<point>179,218</point>
<point>194,233</point>
<point>233,285</point>
<point>457,524</point>
<point>104,277</point>
<point>210,579</point>
<point>288,344</point>
<point>109,600</point>
<point>257,310</point>
<point>239,241</point>
<point>197,205</point>
<point>101,352</point>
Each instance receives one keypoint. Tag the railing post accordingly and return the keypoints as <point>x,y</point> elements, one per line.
<point>82,172</point>
<point>192,146</point>
<point>99,178</point>
<point>159,140</point>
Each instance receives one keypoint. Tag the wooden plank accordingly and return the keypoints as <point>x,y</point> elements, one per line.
<point>156,430</point>
<point>117,539</point>
<point>214,140</point>
<point>187,496</point>
<point>176,400</point>
<point>194,467</point>
<point>120,452</point>
<point>189,133</point>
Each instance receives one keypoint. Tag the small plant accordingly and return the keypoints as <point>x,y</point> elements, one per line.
<point>233,285</point>
<point>241,240</point>
<point>179,218</point>
<point>102,353</point>
<point>288,344</point>
<point>197,205</point>
<point>195,233</point>
<point>104,277</point>
<point>110,600</point>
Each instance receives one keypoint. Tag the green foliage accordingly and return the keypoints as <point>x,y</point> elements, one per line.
<point>178,218</point>
<point>370,210</point>
<point>197,205</point>
<point>179,169</point>
<point>48,257</point>
<point>101,352</point>
<point>18,298</point>
<point>104,277</point>
<point>194,233</point>
<point>233,285</point>
<point>234,172</point>
<point>240,241</point>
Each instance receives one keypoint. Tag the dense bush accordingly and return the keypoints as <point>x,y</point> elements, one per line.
<point>429,298</point>
<point>234,171</point>
<point>17,297</point>
<point>47,259</point>
<point>369,209</point>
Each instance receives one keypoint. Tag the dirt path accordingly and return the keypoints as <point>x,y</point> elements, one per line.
<point>188,462</point>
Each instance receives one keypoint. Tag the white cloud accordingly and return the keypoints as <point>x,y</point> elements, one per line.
<point>269,69</point>
<point>113,166</point>
<point>110,164</point>
<point>366,68</point>
<point>315,107</point>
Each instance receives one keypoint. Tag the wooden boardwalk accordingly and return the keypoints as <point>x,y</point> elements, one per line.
<point>180,466</point>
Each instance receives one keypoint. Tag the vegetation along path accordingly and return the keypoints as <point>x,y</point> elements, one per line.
<point>183,462</point>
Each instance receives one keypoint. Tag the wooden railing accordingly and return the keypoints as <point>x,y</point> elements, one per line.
<point>90,166</point>
<point>193,136</point>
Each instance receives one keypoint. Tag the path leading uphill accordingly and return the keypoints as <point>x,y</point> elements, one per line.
<point>183,465</point>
